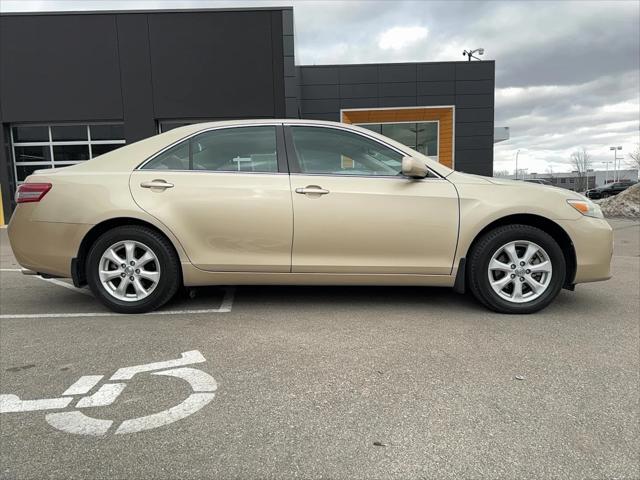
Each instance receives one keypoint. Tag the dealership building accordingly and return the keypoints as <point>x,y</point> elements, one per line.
<point>76,85</point>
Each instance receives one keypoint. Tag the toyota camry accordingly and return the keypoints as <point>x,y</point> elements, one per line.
<point>305,203</point>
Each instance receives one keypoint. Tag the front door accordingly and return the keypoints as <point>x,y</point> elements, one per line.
<point>355,213</point>
<point>223,195</point>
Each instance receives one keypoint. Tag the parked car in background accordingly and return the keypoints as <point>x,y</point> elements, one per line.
<point>300,202</point>
<point>539,181</point>
<point>609,190</point>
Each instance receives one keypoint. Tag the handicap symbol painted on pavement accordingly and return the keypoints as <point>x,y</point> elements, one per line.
<point>77,422</point>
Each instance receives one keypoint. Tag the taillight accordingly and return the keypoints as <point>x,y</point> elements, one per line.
<point>32,192</point>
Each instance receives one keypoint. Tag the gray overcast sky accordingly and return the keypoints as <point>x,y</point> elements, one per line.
<point>567,73</point>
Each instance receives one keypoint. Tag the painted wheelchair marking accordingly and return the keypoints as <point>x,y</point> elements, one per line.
<point>77,422</point>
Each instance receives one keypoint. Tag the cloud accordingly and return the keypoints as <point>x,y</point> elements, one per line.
<point>397,38</point>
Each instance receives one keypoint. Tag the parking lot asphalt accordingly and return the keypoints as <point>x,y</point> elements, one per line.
<point>341,382</point>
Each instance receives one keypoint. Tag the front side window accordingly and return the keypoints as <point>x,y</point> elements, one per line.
<point>242,149</point>
<point>330,151</point>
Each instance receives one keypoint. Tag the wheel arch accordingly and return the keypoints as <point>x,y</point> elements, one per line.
<point>77,263</point>
<point>549,226</point>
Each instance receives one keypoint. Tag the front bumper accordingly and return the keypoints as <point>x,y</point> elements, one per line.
<point>593,243</point>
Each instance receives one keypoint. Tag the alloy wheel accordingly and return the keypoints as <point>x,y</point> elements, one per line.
<point>520,271</point>
<point>129,270</point>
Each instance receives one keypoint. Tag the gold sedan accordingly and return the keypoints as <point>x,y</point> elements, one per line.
<point>300,202</point>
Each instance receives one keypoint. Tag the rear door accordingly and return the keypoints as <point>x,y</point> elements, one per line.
<point>225,194</point>
<point>355,213</point>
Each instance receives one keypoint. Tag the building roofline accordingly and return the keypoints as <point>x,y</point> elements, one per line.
<point>393,63</point>
<point>163,10</point>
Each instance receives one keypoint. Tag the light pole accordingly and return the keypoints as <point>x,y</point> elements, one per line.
<point>615,162</point>
<point>516,172</point>
<point>606,171</point>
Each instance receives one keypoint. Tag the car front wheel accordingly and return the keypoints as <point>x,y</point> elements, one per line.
<point>516,269</point>
<point>133,269</point>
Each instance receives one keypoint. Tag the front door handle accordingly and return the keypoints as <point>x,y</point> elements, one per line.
<point>312,189</point>
<point>156,184</point>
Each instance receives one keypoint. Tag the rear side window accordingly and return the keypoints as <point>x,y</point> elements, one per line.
<point>175,158</point>
<point>242,149</point>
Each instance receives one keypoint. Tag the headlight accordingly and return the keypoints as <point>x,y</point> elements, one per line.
<point>586,208</point>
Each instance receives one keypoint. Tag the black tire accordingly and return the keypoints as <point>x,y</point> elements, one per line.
<point>480,256</point>
<point>170,272</point>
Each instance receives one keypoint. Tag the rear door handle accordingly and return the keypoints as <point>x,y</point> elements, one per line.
<point>156,184</point>
<point>312,189</point>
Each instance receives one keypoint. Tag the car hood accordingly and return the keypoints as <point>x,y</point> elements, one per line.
<point>467,178</point>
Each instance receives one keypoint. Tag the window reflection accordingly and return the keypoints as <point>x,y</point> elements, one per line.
<point>421,136</point>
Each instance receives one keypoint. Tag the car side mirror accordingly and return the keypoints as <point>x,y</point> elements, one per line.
<point>414,168</point>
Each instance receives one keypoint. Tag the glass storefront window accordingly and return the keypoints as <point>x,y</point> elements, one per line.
<point>70,153</point>
<point>421,136</point>
<point>69,133</point>
<point>30,134</point>
<point>32,154</point>
<point>36,147</point>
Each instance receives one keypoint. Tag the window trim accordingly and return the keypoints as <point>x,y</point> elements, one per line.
<point>281,159</point>
<point>294,165</point>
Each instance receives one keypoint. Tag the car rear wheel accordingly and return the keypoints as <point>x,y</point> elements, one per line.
<point>516,269</point>
<point>133,269</point>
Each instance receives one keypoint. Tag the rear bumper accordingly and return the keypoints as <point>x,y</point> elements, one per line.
<point>593,242</point>
<point>44,247</point>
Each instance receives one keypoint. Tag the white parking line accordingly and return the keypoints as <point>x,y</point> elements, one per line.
<point>55,281</point>
<point>60,283</point>
<point>225,307</point>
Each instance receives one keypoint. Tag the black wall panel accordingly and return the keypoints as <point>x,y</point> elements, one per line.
<point>59,68</point>
<point>212,64</point>
<point>397,72</point>
<point>433,100</point>
<point>358,90</point>
<point>396,89</point>
<point>433,72</point>
<point>358,74</point>
<point>436,88</point>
